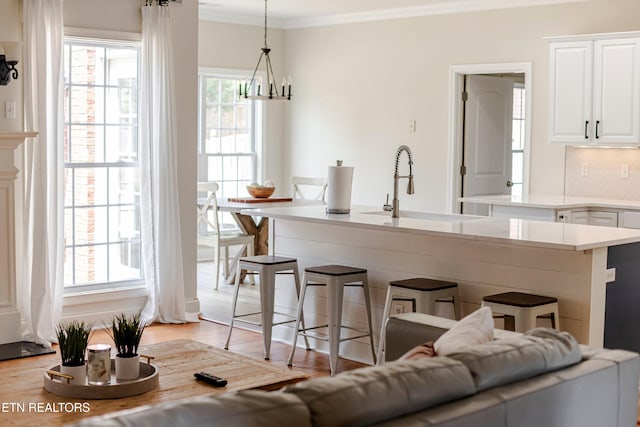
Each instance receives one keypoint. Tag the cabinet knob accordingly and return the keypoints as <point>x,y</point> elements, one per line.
<point>509,184</point>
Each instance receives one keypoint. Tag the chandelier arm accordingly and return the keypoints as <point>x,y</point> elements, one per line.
<point>253,76</point>
<point>271,74</point>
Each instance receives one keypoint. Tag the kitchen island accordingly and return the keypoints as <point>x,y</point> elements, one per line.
<point>484,255</point>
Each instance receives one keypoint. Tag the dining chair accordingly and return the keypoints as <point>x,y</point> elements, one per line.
<point>210,234</point>
<point>303,186</point>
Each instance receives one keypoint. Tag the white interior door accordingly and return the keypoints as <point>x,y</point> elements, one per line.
<point>487,142</point>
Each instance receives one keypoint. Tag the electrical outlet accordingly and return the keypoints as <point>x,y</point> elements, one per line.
<point>624,170</point>
<point>584,169</point>
<point>412,126</point>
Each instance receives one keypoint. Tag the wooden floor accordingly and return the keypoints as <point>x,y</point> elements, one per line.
<point>245,342</point>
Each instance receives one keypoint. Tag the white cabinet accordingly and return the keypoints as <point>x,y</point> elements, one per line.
<point>595,91</point>
<point>601,218</point>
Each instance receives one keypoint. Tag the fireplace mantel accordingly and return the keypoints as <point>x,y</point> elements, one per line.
<point>11,140</point>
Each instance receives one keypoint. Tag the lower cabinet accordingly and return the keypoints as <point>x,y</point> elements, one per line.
<point>602,218</point>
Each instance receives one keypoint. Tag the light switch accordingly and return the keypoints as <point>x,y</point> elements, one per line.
<point>10,109</point>
<point>412,126</point>
<point>624,170</point>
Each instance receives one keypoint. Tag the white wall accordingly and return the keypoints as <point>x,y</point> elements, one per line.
<point>358,85</point>
<point>237,47</point>
<point>11,30</point>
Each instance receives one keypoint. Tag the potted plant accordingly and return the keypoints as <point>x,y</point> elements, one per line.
<point>73,338</point>
<point>126,332</point>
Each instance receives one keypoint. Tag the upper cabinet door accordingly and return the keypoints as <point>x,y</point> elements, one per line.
<point>595,90</point>
<point>616,92</point>
<point>570,84</point>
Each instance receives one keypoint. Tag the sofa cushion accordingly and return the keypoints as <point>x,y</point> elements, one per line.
<point>513,359</point>
<point>241,409</point>
<point>475,328</point>
<point>370,395</point>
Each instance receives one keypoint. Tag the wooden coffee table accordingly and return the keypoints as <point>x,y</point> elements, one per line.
<point>29,404</point>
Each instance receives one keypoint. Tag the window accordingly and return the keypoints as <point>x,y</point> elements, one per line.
<point>517,145</point>
<point>229,137</point>
<point>101,170</point>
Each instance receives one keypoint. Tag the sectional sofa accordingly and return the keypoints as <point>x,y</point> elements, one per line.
<point>541,378</point>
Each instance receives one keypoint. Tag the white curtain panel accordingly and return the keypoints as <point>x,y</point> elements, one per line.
<point>161,241</point>
<point>43,169</point>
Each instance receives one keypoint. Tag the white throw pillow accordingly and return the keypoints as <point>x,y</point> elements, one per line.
<point>476,328</point>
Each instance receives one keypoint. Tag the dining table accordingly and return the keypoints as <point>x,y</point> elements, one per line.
<point>241,211</point>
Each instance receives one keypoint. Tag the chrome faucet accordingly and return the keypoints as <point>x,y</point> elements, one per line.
<point>394,208</point>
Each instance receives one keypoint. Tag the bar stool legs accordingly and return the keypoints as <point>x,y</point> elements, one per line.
<point>266,266</point>
<point>334,278</point>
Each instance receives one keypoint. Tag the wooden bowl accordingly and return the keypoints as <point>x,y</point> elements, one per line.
<point>261,192</point>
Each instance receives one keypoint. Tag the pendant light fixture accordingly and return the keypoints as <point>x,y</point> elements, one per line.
<point>253,90</point>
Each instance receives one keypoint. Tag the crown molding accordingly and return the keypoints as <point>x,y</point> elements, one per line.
<point>208,13</point>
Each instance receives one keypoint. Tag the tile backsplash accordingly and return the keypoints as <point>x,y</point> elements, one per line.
<point>612,173</point>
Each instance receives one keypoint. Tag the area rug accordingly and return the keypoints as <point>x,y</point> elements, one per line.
<point>29,404</point>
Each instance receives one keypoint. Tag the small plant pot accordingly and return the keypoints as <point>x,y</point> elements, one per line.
<point>79,374</point>
<point>127,368</point>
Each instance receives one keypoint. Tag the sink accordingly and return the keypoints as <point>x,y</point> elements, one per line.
<point>431,216</point>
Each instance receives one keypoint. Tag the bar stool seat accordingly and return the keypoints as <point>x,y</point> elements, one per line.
<point>335,278</point>
<point>267,266</point>
<point>423,293</point>
<point>524,308</point>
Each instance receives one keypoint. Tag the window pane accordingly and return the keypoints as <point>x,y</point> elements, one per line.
<point>86,144</point>
<point>122,67</point>
<point>89,225</point>
<point>87,104</point>
<point>214,169</point>
<point>122,144</point>
<point>124,261</point>
<point>213,91</point>
<point>245,168</point>
<point>228,91</point>
<point>68,266</point>
<point>517,167</point>
<point>516,190</point>
<point>517,132</point>
<point>91,264</point>
<point>121,106</point>
<point>228,117</point>
<point>243,141</point>
<point>123,223</point>
<point>242,116</point>
<point>227,141</point>
<point>230,166</point>
<point>87,65</point>
<point>90,186</point>
<point>124,186</point>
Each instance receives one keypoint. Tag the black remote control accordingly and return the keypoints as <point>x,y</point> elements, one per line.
<point>210,379</point>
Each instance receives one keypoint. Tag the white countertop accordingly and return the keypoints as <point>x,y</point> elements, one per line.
<point>552,202</point>
<point>574,237</point>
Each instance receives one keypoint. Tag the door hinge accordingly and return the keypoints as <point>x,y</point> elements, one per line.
<point>465,96</point>
<point>463,170</point>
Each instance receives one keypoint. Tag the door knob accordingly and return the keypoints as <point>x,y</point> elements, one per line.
<point>509,184</point>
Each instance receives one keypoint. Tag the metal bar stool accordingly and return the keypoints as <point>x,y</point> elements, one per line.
<point>335,278</point>
<point>524,309</point>
<point>267,266</point>
<point>423,293</point>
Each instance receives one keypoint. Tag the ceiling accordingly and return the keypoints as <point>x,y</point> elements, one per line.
<point>308,13</point>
